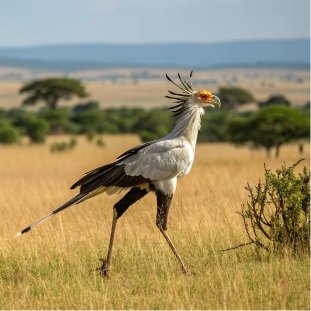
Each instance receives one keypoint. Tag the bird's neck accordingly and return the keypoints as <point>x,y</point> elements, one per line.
<point>188,124</point>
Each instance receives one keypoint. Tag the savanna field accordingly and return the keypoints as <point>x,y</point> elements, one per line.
<point>53,266</point>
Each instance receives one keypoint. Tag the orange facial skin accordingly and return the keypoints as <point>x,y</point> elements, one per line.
<point>205,96</point>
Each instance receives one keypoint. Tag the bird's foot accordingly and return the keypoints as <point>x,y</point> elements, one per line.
<point>104,269</point>
<point>190,272</point>
<point>186,271</point>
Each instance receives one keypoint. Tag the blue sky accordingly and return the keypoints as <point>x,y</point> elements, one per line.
<point>37,22</point>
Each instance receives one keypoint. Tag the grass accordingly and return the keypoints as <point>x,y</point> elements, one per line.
<point>53,266</point>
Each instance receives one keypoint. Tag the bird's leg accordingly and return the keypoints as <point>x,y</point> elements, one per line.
<point>104,269</point>
<point>119,208</point>
<point>163,205</point>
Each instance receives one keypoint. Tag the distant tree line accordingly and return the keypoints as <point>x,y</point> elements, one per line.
<point>274,124</point>
<point>270,127</point>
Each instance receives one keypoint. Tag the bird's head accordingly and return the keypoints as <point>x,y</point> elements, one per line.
<point>206,98</point>
<point>190,97</point>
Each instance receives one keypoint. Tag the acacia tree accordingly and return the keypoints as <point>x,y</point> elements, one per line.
<point>231,97</point>
<point>270,128</point>
<point>51,90</point>
<point>275,100</point>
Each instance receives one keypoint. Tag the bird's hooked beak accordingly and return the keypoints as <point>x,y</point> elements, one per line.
<point>215,102</point>
<point>206,98</point>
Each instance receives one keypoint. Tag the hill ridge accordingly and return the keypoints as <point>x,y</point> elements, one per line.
<point>281,52</point>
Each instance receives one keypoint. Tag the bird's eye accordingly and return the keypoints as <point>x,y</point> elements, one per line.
<point>205,96</point>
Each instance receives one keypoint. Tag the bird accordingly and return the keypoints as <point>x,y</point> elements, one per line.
<point>151,167</point>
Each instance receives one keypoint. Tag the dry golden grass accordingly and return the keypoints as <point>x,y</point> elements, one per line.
<point>51,267</point>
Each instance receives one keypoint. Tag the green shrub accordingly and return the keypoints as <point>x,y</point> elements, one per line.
<point>90,135</point>
<point>215,126</point>
<point>124,119</point>
<point>153,124</point>
<point>59,120</point>
<point>63,146</point>
<point>100,142</point>
<point>58,147</point>
<point>275,100</point>
<point>20,118</point>
<point>277,214</point>
<point>37,130</point>
<point>72,143</point>
<point>89,105</point>
<point>148,136</point>
<point>89,120</point>
<point>8,134</point>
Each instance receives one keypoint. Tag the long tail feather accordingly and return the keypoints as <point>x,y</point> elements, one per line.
<point>74,200</point>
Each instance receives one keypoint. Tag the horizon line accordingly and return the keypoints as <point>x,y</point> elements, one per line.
<point>39,45</point>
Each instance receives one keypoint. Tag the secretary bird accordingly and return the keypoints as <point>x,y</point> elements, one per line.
<point>154,166</point>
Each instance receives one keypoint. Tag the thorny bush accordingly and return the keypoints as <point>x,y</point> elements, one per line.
<point>277,214</point>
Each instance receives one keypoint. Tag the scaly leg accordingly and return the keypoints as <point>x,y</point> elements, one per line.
<point>119,208</point>
<point>104,269</point>
<point>163,205</point>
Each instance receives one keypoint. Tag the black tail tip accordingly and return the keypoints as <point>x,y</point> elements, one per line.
<point>23,231</point>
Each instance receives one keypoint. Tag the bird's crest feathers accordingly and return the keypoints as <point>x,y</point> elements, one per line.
<point>181,98</point>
